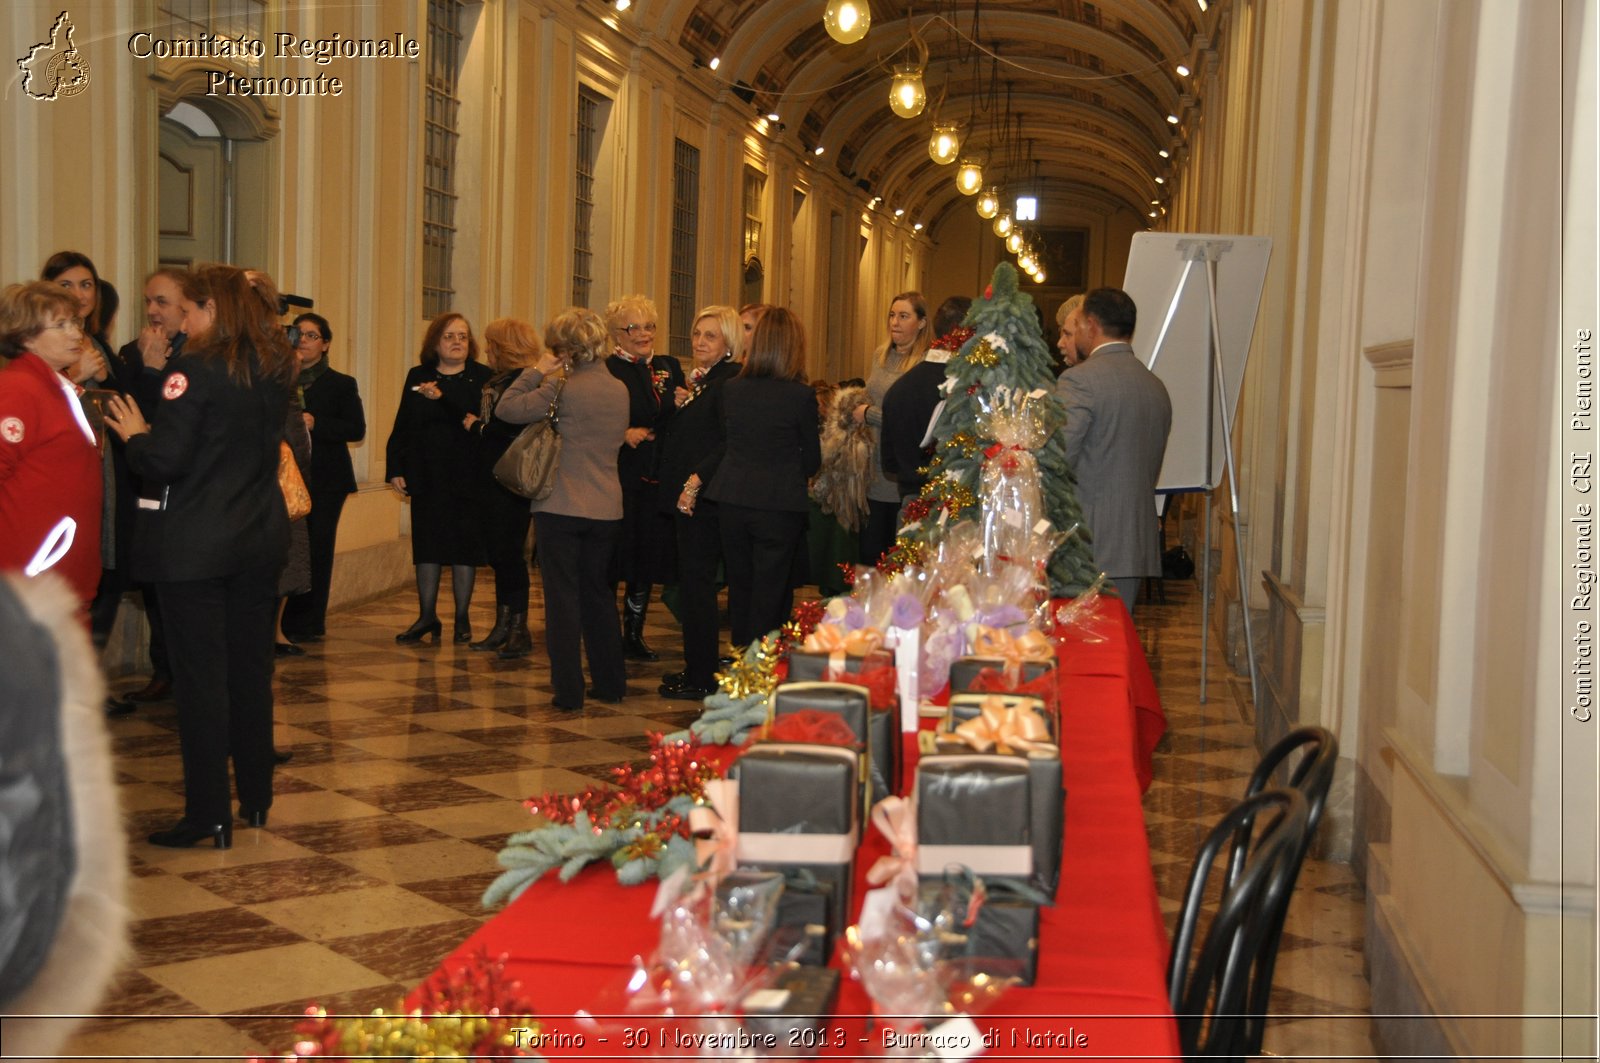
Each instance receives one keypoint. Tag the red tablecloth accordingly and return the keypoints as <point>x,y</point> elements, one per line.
<point>1102,948</point>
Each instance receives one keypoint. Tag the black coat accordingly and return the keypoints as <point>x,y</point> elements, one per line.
<point>694,435</point>
<point>214,443</point>
<point>433,451</point>
<point>771,444</point>
<point>907,406</point>
<point>651,387</point>
<point>334,402</point>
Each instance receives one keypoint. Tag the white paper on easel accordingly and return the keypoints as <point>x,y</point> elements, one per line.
<point>907,648</point>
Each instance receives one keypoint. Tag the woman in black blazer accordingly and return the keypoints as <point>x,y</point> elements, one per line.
<point>693,439</point>
<point>334,416</point>
<point>771,448</point>
<point>432,461</point>
<point>215,538</point>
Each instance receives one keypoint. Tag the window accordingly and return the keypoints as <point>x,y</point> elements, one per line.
<point>685,244</point>
<point>1027,209</point>
<point>591,117</point>
<point>440,136</point>
<point>754,182</point>
<point>216,18</point>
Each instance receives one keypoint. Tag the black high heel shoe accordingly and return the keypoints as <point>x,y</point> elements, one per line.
<point>184,833</point>
<point>463,631</point>
<point>420,630</point>
<point>253,817</point>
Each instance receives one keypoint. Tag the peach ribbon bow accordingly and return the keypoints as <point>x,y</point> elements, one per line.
<point>1031,645</point>
<point>896,819</point>
<point>1005,729</point>
<point>715,827</point>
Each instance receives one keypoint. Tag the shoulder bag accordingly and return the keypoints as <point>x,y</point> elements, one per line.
<point>528,467</point>
<point>296,499</point>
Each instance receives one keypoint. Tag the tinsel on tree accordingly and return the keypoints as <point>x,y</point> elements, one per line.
<point>1020,361</point>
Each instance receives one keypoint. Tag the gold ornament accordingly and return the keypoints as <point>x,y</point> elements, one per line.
<point>984,354</point>
<point>755,673</point>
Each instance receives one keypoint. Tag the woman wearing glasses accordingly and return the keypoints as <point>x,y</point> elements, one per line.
<point>431,460</point>
<point>907,344</point>
<point>644,549</point>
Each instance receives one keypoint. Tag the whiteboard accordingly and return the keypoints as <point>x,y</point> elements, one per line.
<point>1166,279</point>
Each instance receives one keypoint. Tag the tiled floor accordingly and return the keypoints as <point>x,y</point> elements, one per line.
<point>408,766</point>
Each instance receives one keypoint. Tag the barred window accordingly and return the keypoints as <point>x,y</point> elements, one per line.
<point>754,182</point>
<point>217,18</point>
<point>440,136</point>
<point>685,244</point>
<point>591,119</point>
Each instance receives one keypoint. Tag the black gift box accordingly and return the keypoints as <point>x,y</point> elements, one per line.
<point>1003,941</point>
<point>748,909</point>
<point>974,810</point>
<point>794,1010</point>
<point>964,670</point>
<point>801,934</point>
<point>877,731</point>
<point>807,665</point>
<point>798,812</point>
<point>1047,809</point>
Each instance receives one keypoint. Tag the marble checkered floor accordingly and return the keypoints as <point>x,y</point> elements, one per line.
<point>409,763</point>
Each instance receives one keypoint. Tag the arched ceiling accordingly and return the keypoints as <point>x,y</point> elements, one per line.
<point>1090,88</point>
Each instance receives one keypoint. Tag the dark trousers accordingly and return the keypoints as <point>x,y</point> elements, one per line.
<point>580,600</point>
<point>160,666</point>
<point>505,534</point>
<point>699,551</point>
<point>220,634</point>
<point>644,540</point>
<point>758,550</point>
<point>307,614</point>
<point>877,534</point>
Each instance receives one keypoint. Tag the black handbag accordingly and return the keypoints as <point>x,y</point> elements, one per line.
<point>528,467</point>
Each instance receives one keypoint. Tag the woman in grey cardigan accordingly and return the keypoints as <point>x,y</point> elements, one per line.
<point>577,526</point>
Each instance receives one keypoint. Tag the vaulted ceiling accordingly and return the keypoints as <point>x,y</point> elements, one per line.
<point>1090,88</point>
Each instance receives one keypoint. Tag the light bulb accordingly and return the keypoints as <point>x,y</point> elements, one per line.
<point>1002,224</point>
<point>945,144</point>
<point>847,21</point>
<point>1014,241</point>
<point>1039,276</point>
<point>1025,260</point>
<point>907,97</point>
<point>969,178</point>
<point>989,203</point>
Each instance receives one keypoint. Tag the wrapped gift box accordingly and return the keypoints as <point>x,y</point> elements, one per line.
<point>1047,800</point>
<point>974,810</point>
<point>795,1009</point>
<point>996,675</point>
<point>799,810</point>
<point>877,732</point>
<point>1003,940</point>
<point>748,910</point>
<point>808,665</point>
<point>964,707</point>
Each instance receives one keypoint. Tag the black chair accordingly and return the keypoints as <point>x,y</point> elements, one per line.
<point>1210,987</point>
<point>1312,776</point>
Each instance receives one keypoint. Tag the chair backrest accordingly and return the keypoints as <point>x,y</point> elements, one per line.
<point>1209,985</point>
<point>1312,776</point>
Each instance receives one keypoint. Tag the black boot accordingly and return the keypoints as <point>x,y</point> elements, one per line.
<point>496,638</point>
<point>463,629</point>
<point>633,644</point>
<point>518,641</point>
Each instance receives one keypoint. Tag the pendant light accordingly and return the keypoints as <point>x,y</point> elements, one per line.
<point>847,21</point>
<point>989,202</point>
<point>944,147</point>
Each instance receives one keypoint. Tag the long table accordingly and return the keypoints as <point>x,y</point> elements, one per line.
<point>1100,990</point>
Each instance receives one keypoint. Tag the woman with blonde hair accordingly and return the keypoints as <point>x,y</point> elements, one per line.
<point>511,346</point>
<point>644,550</point>
<point>577,525</point>
<point>770,450</point>
<point>909,338</point>
<point>690,446</point>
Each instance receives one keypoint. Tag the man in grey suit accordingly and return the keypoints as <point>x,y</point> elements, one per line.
<point>1118,417</point>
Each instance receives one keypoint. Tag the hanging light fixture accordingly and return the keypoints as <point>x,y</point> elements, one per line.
<point>969,177</point>
<point>907,97</point>
<point>989,202</point>
<point>1002,224</point>
<point>944,147</point>
<point>1014,241</point>
<point>1039,277</point>
<point>847,21</point>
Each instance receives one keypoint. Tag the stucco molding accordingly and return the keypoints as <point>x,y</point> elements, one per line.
<point>1391,363</point>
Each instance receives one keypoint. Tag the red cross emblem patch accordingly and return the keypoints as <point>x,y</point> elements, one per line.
<point>176,385</point>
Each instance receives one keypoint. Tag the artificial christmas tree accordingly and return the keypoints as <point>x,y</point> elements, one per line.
<point>1006,357</point>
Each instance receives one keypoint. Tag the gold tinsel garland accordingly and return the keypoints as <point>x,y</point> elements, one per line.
<point>754,674</point>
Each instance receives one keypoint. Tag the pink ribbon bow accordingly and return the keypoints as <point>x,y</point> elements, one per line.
<point>1005,729</point>
<point>715,827</point>
<point>1013,649</point>
<point>896,819</point>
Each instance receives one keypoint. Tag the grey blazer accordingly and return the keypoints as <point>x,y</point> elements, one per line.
<point>593,411</point>
<point>1118,417</point>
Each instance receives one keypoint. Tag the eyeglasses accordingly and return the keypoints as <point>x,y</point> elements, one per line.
<point>649,329</point>
<point>311,335</point>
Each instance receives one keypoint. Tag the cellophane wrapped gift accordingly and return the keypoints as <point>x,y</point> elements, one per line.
<point>992,927</point>
<point>876,730</point>
<point>1010,493</point>
<point>792,1012</point>
<point>799,813</point>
